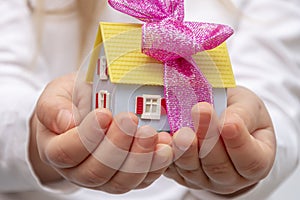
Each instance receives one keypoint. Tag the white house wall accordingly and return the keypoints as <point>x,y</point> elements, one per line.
<point>124,97</point>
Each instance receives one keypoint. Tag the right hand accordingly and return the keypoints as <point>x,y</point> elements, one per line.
<point>94,149</point>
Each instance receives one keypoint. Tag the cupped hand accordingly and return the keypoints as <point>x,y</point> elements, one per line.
<point>92,149</point>
<point>227,154</point>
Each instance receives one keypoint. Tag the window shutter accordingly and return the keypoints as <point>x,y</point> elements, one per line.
<point>139,105</point>
<point>106,70</point>
<point>104,100</point>
<point>97,100</point>
<point>163,104</point>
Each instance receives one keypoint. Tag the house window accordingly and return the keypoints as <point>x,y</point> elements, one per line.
<point>149,106</point>
<point>102,99</point>
<point>102,68</point>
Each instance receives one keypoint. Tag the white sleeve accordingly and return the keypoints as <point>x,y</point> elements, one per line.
<point>21,82</point>
<point>265,53</point>
<point>19,90</point>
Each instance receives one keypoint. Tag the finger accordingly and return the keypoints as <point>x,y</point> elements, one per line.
<point>163,154</point>
<point>248,133</point>
<point>214,159</point>
<point>252,155</point>
<point>71,148</point>
<point>137,163</point>
<point>141,153</point>
<point>55,107</point>
<point>185,149</point>
<point>145,163</point>
<point>162,158</point>
<point>249,107</point>
<point>181,177</point>
<point>164,138</point>
<point>118,141</point>
<point>172,173</point>
<point>188,164</point>
<point>206,127</point>
<point>109,156</point>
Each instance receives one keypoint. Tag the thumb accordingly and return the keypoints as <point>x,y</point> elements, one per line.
<point>55,109</point>
<point>248,135</point>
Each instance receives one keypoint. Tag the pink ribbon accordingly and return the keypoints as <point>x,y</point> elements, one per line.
<point>169,39</point>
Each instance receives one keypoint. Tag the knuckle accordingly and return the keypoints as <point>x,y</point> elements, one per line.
<point>228,191</point>
<point>151,177</point>
<point>119,188</point>
<point>217,169</point>
<point>91,178</point>
<point>59,157</point>
<point>255,170</point>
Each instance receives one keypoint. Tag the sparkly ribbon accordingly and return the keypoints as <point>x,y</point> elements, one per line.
<point>169,39</point>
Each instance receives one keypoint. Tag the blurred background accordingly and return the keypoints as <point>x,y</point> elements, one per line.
<point>289,190</point>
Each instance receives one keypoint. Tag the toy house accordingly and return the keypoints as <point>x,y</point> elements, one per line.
<point>124,79</point>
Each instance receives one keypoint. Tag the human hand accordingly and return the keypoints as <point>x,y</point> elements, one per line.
<point>93,149</point>
<point>226,155</point>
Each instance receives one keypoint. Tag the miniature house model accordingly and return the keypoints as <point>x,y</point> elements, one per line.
<point>124,79</point>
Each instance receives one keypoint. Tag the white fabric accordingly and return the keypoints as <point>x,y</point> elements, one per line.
<point>264,53</point>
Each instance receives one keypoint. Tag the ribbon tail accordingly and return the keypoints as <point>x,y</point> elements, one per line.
<point>185,86</point>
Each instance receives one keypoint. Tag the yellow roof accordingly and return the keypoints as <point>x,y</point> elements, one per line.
<point>127,65</point>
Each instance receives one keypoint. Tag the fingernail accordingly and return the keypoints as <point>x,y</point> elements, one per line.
<point>230,128</point>
<point>202,109</point>
<point>164,153</point>
<point>163,157</point>
<point>146,137</point>
<point>196,112</point>
<point>104,118</point>
<point>164,138</point>
<point>127,124</point>
<point>184,138</point>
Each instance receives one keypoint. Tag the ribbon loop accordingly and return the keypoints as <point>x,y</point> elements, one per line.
<point>170,39</point>
<point>150,10</point>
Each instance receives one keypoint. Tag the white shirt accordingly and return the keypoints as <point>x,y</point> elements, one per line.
<point>264,51</point>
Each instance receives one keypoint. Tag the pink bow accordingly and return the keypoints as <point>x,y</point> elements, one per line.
<point>167,38</point>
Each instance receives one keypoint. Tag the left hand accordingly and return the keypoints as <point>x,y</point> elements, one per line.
<point>93,149</point>
<point>227,154</point>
